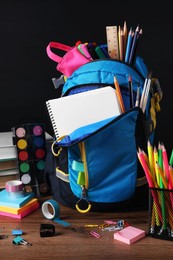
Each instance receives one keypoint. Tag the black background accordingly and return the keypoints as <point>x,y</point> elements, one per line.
<point>26,72</point>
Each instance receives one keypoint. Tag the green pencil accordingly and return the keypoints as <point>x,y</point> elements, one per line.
<point>171,159</point>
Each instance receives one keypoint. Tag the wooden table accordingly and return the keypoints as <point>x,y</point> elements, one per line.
<point>75,241</point>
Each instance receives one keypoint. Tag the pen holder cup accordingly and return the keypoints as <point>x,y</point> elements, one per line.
<point>161,213</point>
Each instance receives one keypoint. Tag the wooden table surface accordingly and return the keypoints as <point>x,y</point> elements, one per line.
<point>75,241</point>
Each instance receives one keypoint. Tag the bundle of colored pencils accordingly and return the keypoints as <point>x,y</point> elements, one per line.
<point>158,169</point>
<point>159,173</point>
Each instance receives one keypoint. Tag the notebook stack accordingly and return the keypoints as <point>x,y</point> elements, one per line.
<point>17,204</point>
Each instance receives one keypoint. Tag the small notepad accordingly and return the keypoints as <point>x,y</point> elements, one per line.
<point>129,235</point>
<point>5,199</point>
<point>71,112</point>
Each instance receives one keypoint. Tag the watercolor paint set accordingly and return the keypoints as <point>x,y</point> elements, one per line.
<point>30,143</point>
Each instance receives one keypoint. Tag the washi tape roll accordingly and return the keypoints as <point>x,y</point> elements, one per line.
<point>14,186</point>
<point>51,210</point>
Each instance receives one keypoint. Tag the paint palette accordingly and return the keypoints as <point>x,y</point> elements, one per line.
<point>30,143</point>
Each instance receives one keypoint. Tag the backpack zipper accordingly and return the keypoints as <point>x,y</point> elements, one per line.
<point>84,160</point>
<point>102,84</point>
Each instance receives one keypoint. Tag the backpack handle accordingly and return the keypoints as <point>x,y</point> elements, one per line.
<point>59,46</point>
<point>72,59</point>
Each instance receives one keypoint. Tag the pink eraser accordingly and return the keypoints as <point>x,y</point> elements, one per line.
<point>129,235</point>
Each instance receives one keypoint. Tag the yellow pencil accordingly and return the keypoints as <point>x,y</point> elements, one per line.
<point>151,157</point>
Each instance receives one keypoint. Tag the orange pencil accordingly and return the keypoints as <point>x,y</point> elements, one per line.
<point>119,96</point>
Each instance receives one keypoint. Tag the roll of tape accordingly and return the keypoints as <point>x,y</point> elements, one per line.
<point>51,210</point>
<point>14,186</point>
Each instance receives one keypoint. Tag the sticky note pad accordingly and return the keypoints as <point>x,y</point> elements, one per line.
<point>129,235</point>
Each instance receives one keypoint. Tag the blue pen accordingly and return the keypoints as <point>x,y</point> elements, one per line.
<point>129,43</point>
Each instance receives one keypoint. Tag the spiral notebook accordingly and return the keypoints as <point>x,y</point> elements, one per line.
<point>71,112</point>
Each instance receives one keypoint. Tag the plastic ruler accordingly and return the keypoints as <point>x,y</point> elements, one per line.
<point>112,41</point>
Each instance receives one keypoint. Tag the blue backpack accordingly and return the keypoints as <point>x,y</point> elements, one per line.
<point>96,166</point>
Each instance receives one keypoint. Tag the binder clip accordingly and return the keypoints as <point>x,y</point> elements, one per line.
<point>18,240</point>
<point>17,232</point>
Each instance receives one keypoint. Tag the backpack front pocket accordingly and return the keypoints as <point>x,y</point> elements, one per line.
<point>110,158</point>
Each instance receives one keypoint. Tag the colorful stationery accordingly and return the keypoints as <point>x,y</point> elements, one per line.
<point>17,210</point>
<point>22,214</point>
<point>129,235</point>
<point>72,112</point>
<point>6,200</point>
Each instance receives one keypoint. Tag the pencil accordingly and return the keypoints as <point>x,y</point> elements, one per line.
<point>163,181</point>
<point>146,169</point>
<point>160,159</point>
<point>121,43</point>
<point>150,182</point>
<point>171,174</point>
<point>165,163</point>
<point>171,159</point>
<point>155,152</point>
<point>151,158</point>
<point>119,96</point>
<point>125,37</point>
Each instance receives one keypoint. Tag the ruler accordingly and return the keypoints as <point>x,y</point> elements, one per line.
<point>112,41</point>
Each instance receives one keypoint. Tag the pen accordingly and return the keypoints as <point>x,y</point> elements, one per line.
<point>137,46</point>
<point>137,96</point>
<point>145,92</point>
<point>133,48</point>
<point>131,92</point>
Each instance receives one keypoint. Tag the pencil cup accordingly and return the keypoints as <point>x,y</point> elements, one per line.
<point>161,213</point>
